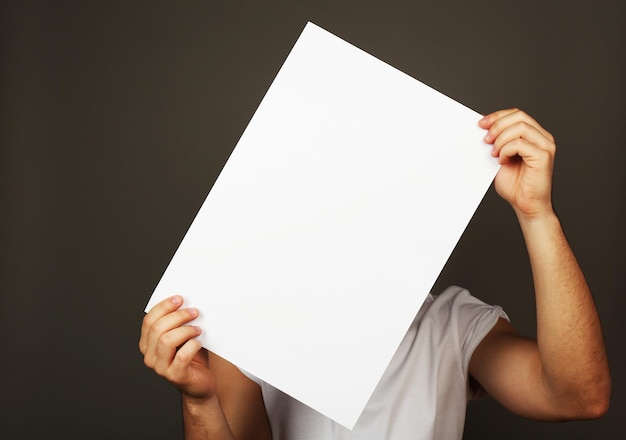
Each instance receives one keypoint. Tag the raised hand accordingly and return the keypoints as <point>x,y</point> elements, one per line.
<point>169,347</point>
<point>526,152</point>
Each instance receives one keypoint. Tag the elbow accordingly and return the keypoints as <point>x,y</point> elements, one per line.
<point>599,405</point>
<point>593,410</point>
<point>597,410</point>
<point>594,402</point>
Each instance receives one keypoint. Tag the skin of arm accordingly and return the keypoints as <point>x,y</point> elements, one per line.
<point>564,373</point>
<point>218,401</point>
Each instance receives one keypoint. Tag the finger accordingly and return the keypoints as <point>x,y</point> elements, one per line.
<point>183,358</point>
<point>507,119</point>
<point>168,345</point>
<point>165,324</point>
<point>531,154</point>
<point>524,131</point>
<point>158,311</point>
<point>490,118</point>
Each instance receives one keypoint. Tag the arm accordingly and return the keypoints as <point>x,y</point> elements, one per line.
<point>564,374</point>
<point>218,403</point>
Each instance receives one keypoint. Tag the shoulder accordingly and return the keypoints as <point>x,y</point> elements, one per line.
<point>455,313</point>
<point>458,305</point>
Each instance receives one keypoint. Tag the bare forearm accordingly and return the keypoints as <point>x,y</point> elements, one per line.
<point>204,420</point>
<point>569,335</point>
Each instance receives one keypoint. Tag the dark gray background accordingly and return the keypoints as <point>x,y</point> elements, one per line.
<point>117,117</point>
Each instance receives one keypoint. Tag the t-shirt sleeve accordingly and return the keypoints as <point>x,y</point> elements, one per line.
<point>472,320</point>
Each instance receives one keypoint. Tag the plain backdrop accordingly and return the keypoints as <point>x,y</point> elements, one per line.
<point>117,116</point>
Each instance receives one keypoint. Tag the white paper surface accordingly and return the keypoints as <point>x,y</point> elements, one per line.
<point>329,224</point>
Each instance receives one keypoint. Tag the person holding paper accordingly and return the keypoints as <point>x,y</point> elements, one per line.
<point>465,347</point>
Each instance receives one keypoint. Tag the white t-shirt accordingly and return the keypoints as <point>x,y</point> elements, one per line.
<point>424,391</point>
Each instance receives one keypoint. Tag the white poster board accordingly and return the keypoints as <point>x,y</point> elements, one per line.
<point>329,224</point>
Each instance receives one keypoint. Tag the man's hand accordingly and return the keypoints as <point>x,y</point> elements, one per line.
<point>169,348</point>
<point>526,152</point>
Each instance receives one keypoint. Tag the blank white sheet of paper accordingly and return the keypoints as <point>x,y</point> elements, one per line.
<point>330,223</point>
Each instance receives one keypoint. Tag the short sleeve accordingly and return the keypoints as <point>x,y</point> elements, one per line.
<point>470,319</point>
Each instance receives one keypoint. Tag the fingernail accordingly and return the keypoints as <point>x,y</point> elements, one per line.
<point>176,300</point>
<point>193,312</point>
<point>487,137</point>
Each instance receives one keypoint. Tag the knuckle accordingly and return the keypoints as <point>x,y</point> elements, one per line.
<point>523,127</point>
<point>161,371</point>
<point>147,321</point>
<point>521,113</point>
<point>166,340</point>
<point>158,327</point>
<point>182,358</point>
<point>148,362</point>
